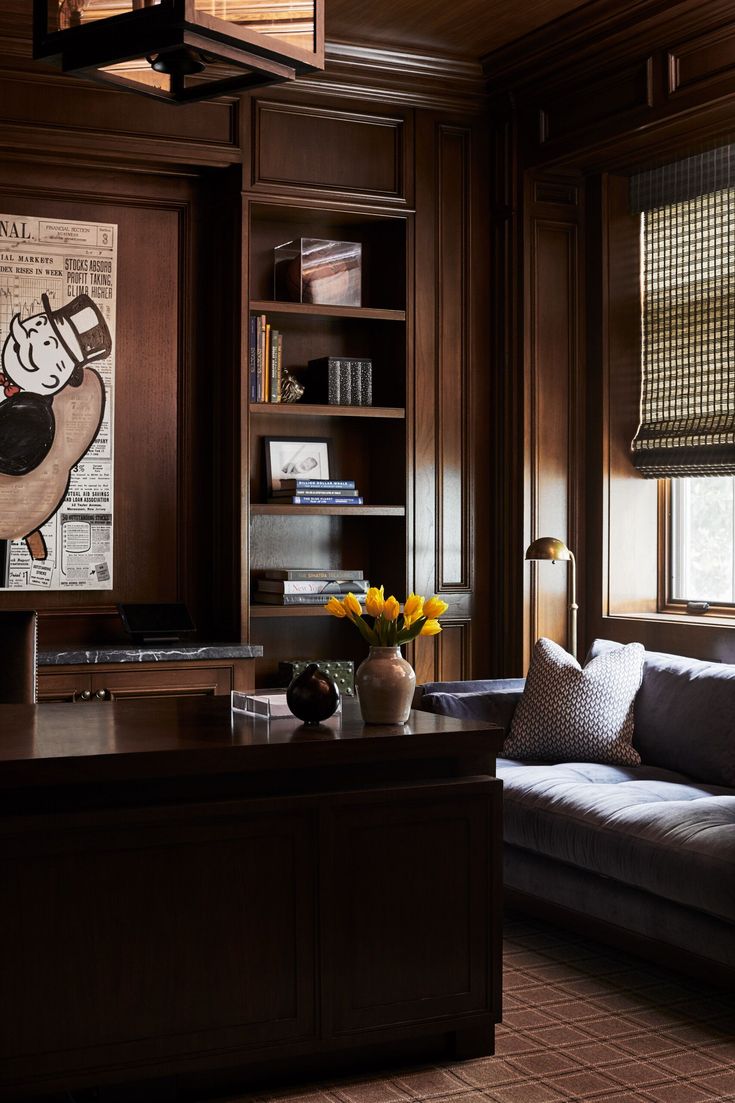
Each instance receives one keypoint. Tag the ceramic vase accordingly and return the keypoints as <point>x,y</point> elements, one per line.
<point>385,686</point>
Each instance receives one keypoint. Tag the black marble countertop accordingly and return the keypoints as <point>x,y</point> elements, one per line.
<point>152,653</point>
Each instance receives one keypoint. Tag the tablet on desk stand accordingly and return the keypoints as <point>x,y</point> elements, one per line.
<point>157,622</point>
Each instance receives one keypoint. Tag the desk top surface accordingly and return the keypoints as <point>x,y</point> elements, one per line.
<point>179,736</point>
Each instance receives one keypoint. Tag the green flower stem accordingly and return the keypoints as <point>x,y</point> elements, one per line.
<point>365,630</point>
<point>410,633</point>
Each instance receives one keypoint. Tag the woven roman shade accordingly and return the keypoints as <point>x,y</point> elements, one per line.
<point>687,418</point>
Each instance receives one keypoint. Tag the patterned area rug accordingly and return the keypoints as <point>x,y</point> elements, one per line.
<point>581,1022</point>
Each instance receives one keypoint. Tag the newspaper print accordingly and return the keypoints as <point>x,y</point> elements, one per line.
<point>58,289</point>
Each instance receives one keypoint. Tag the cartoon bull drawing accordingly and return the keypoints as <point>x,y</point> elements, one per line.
<point>51,412</point>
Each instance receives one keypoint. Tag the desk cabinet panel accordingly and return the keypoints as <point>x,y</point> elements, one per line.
<point>409,917</point>
<point>145,937</point>
<point>64,687</point>
<point>114,685</point>
<point>96,682</point>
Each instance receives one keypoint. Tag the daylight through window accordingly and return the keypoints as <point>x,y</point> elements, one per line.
<point>703,540</point>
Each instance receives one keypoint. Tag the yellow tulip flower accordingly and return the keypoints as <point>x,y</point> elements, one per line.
<point>434,607</point>
<point>412,609</point>
<point>391,609</point>
<point>374,601</point>
<point>335,607</point>
<point>352,605</point>
<point>431,628</point>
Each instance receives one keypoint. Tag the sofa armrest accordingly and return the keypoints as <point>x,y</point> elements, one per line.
<point>492,700</point>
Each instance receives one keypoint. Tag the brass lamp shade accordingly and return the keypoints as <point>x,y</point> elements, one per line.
<point>181,50</point>
<point>548,547</point>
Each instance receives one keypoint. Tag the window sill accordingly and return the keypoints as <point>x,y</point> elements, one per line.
<point>675,618</point>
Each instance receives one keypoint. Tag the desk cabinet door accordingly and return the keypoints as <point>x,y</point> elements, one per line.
<point>64,687</point>
<point>137,939</point>
<point>409,927</point>
<point>198,680</point>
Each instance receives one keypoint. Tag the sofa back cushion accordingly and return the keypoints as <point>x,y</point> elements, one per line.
<point>685,715</point>
<point>494,701</point>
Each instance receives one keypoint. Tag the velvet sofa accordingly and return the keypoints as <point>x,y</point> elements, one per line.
<point>644,855</point>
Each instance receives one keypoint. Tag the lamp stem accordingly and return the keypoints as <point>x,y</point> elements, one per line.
<point>573,607</point>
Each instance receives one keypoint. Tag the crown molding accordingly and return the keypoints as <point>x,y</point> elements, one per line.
<point>353,70</point>
<point>611,28</point>
<point>399,76</point>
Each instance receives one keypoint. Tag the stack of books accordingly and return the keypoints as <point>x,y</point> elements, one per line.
<point>307,585</point>
<point>317,492</point>
<point>266,360</point>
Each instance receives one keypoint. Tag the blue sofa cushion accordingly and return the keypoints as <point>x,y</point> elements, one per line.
<point>492,701</point>
<point>685,715</point>
<point>639,825</point>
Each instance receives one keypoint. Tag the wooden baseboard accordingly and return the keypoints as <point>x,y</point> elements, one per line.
<point>661,953</point>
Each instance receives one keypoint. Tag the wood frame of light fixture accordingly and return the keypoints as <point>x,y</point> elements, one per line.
<point>84,50</point>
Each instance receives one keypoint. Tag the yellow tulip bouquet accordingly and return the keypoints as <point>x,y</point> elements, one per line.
<point>383,624</point>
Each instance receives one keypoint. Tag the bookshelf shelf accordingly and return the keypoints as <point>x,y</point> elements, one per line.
<point>271,409</point>
<point>271,509</point>
<point>318,310</point>
<point>288,610</point>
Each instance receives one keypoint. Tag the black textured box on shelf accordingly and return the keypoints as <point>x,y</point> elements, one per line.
<point>340,381</point>
<point>342,670</point>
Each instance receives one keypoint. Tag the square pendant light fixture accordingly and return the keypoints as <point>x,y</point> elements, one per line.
<point>181,50</point>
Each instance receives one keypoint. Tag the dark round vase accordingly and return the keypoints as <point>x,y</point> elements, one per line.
<point>313,695</point>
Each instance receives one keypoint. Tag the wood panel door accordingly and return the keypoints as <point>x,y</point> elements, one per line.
<point>452,444</point>
<point>554,397</point>
<point>408,922</point>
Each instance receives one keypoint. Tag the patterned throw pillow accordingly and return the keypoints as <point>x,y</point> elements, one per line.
<point>568,714</point>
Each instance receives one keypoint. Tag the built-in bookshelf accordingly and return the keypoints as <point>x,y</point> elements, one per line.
<point>369,444</point>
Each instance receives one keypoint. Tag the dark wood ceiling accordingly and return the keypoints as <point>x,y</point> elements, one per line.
<point>466,28</point>
<point>463,28</point>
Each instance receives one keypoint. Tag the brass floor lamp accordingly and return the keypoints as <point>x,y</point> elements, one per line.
<point>549,547</point>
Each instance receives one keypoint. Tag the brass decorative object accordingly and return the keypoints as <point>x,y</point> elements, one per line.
<point>291,389</point>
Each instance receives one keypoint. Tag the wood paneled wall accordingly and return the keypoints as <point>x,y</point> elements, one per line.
<point>575,111</point>
<point>172,179</point>
<point>554,394</point>
<point>451,395</point>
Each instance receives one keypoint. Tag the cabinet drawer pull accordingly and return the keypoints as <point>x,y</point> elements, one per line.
<point>101,694</point>
<point>85,695</point>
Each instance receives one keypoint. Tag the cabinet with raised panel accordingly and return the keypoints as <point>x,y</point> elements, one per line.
<point>116,681</point>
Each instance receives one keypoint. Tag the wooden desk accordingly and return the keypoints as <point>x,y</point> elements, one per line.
<point>183,888</point>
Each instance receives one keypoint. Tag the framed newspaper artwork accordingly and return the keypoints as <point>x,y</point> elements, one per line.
<point>57,373</point>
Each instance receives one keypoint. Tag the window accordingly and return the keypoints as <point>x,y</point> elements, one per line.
<point>686,432</point>
<point>702,541</point>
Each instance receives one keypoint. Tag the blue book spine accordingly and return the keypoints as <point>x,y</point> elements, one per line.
<point>298,500</point>
<point>322,484</point>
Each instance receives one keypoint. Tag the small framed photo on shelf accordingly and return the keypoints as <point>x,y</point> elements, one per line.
<point>296,458</point>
